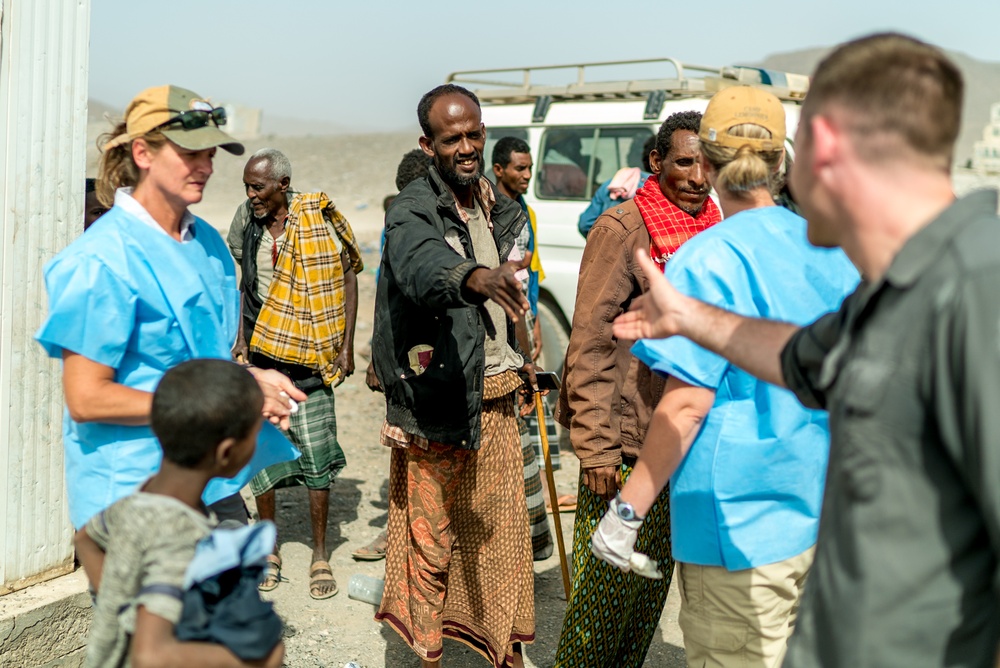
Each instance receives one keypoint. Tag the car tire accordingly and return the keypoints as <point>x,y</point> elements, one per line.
<point>555,335</point>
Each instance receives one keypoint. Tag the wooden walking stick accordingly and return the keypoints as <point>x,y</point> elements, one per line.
<point>553,494</point>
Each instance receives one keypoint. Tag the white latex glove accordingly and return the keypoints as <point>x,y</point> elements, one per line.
<point>614,539</point>
<point>614,542</point>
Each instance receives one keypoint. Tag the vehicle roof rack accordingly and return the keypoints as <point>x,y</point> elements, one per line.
<point>783,85</point>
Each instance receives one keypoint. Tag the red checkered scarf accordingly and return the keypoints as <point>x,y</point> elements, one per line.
<point>668,225</point>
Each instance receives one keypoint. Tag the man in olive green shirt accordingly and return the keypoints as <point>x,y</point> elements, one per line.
<point>906,570</point>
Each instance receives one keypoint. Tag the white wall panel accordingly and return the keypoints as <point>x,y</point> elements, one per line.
<point>43,113</point>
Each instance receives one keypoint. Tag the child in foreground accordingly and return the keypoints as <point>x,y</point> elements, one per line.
<point>206,414</point>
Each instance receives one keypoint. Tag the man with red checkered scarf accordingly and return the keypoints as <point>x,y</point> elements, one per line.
<point>608,397</point>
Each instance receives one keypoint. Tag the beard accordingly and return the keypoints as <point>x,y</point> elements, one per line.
<point>453,178</point>
<point>692,211</point>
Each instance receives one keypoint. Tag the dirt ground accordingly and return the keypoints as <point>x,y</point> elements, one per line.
<point>335,631</point>
<point>358,172</point>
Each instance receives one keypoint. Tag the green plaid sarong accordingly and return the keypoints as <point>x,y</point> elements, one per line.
<point>313,430</point>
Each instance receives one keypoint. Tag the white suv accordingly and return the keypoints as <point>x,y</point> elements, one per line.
<point>580,134</point>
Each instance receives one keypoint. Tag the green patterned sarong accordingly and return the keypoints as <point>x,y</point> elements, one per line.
<point>612,615</point>
<point>313,430</point>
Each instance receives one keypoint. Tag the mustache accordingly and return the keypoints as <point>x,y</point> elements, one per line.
<point>450,173</point>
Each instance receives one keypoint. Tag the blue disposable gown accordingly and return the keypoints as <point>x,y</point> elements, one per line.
<point>749,491</point>
<point>130,297</point>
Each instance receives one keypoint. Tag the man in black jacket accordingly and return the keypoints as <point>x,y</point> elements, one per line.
<point>458,561</point>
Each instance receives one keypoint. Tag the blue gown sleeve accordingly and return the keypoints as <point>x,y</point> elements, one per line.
<point>715,273</point>
<point>91,310</point>
<point>600,203</point>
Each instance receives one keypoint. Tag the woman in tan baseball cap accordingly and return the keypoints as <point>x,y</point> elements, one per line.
<point>176,123</point>
<point>147,287</point>
<point>745,461</point>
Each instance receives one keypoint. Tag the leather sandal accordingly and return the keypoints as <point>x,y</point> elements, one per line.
<point>373,551</point>
<point>272,573</point>
<point>320,574</point>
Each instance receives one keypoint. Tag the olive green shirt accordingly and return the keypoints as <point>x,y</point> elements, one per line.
<point>906,569</point>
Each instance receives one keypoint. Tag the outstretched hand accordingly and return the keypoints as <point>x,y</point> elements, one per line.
<point>502,286</point>
<point>656,314</point>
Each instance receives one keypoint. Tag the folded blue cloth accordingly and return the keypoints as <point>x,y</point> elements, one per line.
<point>224,549</point>
<point>221,602</point>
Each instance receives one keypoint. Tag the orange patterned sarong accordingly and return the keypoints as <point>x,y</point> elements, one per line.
<point>458,562</point>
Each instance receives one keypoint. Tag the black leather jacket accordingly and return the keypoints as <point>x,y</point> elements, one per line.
<point>420,300</point>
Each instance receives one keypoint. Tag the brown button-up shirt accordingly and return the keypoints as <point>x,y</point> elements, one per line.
<point>607,396</point>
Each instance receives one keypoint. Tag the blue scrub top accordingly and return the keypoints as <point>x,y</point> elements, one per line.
<point>130,297</point>
<point>749,491</point>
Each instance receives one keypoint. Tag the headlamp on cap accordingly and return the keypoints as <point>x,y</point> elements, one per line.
<point>197,118</point>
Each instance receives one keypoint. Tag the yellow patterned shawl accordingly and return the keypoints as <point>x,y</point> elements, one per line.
<point>303,318</point>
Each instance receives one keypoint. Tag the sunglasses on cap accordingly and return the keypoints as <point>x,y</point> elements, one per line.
<point>197,118</point>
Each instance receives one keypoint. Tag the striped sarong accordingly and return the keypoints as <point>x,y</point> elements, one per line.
<point>535,434</point>
<point>541,537</point>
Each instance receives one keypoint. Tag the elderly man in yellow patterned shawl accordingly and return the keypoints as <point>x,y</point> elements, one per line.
<point>299,298</point>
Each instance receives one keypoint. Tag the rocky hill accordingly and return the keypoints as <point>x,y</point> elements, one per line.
<point>982,88</point>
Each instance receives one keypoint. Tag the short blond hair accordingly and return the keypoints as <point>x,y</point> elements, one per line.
<point>900,93</point>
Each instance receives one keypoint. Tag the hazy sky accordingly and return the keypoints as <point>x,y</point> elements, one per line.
<point>364,64</point>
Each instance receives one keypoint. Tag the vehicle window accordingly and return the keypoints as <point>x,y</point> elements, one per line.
<point>563,168</point>
<point>615,148</point>
<point>493,135</point>
<point>575,161</point>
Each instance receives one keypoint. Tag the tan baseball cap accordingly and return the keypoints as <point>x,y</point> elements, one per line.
<point>155,106</point>
<point>737,105</point>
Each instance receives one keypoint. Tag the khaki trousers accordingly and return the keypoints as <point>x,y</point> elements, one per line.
<point>740,619</point>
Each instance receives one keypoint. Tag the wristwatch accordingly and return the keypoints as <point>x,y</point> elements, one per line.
<point>625,510</point>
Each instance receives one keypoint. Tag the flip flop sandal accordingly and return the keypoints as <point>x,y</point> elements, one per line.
<point>320,574</point>
<point>373,551</point>
<point>272,574</point>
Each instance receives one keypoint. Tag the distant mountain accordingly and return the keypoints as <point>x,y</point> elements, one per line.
<point>284,126</point>
<point>97,111</point>
<point>982,88</point>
